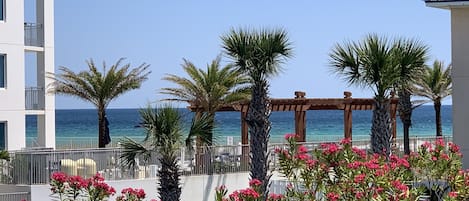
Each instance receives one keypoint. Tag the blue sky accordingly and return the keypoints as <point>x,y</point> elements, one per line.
<point>162,33</point>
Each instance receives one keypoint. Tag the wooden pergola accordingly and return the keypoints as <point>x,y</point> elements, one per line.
<point>300,104</point>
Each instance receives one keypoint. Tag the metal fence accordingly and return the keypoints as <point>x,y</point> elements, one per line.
<point>33,34</point>
<point>16,196</point>
<point>32,101</point>
<point>36,166</point>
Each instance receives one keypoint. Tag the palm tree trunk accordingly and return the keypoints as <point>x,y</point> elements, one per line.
<point>102,126</point>
<point>437,106</point>
<point>405,113</point>
<point>169,176</point>
<point>381,128</point>
<point>259,128</point>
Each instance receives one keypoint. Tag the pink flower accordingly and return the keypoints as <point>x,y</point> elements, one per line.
<point>358,195</point>
<point>346,141</point>
<point>249,192</point>
<point>60,177</point>
<point>77,182</point>
<point>302,149</point>
<point>359,178</point>
<point>221,188</point>
<point>453,194</point>
<point>453,148</point>
<point>255,182</point>
<point>330,148</point>
<point>332,196</point>
<point>274,196</point>
<point>354,164</point>
<point>290,136</point>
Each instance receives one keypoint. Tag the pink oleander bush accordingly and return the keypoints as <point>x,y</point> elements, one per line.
<point>339,171</point>
<point>130,194</point>
<point>72,188</point>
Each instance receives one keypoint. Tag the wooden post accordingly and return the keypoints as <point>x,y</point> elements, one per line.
<point>244,138</point>
<point>347,114</point>
<point>300,118</point>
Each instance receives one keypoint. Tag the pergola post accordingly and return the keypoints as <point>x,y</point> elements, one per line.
<point>300,118</point>
<point>244,137</point>
<point>347,114</point>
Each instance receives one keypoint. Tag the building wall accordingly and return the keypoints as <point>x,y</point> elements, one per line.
<point>12,97</point>
<point>460,75</point>
<point>194,188</point>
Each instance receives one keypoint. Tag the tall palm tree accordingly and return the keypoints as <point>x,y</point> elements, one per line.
<point>209,90</point>
<point>163,138</point>
<point>411,56</point>
<point>99,88</point>
<point>370,63</point>
<point>435,85</point>
<point>258,53</point>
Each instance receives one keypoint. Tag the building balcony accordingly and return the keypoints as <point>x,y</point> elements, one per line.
<point>33,34</point>
<point>447,4</point>
<point>34,97</point>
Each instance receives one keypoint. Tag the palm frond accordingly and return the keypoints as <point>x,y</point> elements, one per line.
<point>202,129</point>
<point>132,150</point>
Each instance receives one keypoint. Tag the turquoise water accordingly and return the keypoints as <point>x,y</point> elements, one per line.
<point>81,125</point>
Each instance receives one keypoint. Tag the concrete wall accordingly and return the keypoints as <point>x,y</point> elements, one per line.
<point>194,188</point>
<point>12,96</point>
<point>460,75</point>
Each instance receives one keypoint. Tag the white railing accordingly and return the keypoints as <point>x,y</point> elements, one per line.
<point>36,166</point>
<point>32,98</point>
<point>32,34</point>
<point>26,196</point>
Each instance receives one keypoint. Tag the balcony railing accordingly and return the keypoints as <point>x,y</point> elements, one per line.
<point>33,34</point>
<point>32,98</point>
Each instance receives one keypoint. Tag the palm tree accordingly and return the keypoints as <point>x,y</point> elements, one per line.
<point>435,85</point>
<point>99,88</point>
<point>163,139</point>
<point>259,55</point>
<point>209,90</point>
<point>370,63</point>
<point>411,57</point>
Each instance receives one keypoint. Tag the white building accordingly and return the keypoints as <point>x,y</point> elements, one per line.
<point>460,72</point>
<point>18,97</point>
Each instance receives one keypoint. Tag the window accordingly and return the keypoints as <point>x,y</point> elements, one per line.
<point>3,132</point>
<point>2,8</point>
<point>2,70</point>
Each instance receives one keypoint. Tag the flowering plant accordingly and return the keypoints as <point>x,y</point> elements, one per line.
<point>249,194</point>
<point>338,171</point>
<point>129,194</point>
<point>73,187</point>
<point>342,172</point>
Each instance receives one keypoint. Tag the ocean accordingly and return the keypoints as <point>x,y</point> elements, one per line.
<point>80,125</point>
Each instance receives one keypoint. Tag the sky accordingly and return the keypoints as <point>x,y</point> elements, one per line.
<point>162,33</point>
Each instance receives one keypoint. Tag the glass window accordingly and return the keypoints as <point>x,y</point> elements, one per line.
<point>2,135</point>
<point>2,6</point>
<point>2,70</point>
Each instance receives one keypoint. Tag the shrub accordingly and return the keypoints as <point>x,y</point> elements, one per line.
<point>338,171</point>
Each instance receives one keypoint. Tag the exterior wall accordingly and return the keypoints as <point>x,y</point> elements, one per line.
<point>460,75</point>
<point>12,97</point>
<point>200,188</point>
<point>45,65</point>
